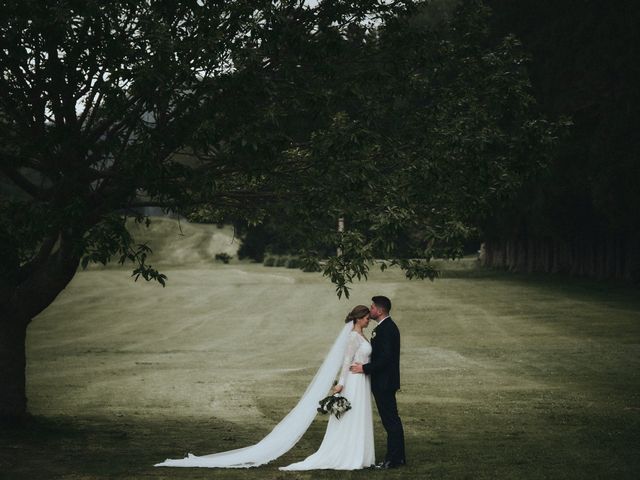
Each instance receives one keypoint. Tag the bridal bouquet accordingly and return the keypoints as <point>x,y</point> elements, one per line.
<point>335,404</point>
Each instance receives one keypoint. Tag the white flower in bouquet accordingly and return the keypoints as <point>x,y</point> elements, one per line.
<point>334,404</point>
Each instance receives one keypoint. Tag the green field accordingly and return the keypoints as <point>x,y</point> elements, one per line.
<point>502,376</point>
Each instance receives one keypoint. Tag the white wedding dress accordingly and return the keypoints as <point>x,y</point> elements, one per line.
<point>348,442</point>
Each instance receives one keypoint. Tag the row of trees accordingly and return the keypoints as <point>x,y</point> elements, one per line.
<point>407,118</point>
<point>581,217</point>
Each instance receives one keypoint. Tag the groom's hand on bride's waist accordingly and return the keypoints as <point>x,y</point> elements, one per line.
<point>356,368</point>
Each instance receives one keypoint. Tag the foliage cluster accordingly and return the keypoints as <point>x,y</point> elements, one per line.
<point>408,120</point>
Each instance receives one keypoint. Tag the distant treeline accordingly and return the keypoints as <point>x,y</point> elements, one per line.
<point>582,217</point>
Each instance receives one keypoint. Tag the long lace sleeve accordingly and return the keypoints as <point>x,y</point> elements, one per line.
<point>349,355</point>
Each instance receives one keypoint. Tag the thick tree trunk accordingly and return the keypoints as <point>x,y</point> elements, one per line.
<point>18,305</point>
<point>13,400</point>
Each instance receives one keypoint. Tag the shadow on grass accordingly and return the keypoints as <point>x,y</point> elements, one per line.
<point>484,446</point>
<point>90,447</point>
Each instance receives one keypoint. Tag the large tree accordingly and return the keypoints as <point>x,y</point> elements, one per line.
<point>404,118</point>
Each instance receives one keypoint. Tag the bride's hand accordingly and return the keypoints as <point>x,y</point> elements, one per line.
<point>337,389</point>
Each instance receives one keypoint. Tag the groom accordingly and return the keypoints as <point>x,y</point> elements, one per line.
<point>384,369</point>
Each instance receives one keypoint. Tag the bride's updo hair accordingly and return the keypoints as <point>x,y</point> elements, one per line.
<point>358,311</point>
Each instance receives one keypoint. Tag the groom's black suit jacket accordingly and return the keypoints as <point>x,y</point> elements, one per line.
<point>384,367</point>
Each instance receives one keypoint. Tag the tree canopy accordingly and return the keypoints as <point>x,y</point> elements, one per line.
<point>219,110</point>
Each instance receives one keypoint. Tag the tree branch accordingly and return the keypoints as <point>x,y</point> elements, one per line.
<point>91,102</point>
<point>109,125</point>
<point>21,182</point>
<point>40,258</point>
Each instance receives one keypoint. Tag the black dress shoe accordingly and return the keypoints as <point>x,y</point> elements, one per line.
<point>387,464</point>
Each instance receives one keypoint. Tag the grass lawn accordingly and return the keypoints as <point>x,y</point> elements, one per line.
<point>503,376</point>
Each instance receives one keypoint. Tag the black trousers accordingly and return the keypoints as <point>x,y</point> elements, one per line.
<point>388,410</point>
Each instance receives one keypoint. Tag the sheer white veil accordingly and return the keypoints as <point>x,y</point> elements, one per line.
<point>290,429</point>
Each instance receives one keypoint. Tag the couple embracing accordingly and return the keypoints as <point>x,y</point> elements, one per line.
<point>364,368</point>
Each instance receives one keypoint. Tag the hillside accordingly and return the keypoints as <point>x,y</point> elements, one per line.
<point>178,242</point>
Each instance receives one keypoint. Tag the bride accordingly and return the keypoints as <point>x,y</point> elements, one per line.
<point>348,442</point>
